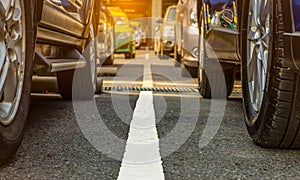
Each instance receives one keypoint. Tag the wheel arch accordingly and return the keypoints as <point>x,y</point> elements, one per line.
<point>39,10</point>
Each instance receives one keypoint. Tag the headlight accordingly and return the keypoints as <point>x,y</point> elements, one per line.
<point>193,19</point>
<point>123,35</point>
<point>196,52</point>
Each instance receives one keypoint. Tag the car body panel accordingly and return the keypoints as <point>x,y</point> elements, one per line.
<point>221,27</point>
<point>105,43</point>
<point>292,33</point>
<point>291,15</point>
<point>123,38</point>
<point>296,14</point>
<point>167,30</point>
<point>62,27</point>
<point>187,34</point>
<point>65,22</point>
<point>55,19</point>
<point>123,32</point>
<point>139,34</point>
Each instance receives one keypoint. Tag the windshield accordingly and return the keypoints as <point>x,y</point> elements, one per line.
<point>120,20</point>
<point>171,15</point>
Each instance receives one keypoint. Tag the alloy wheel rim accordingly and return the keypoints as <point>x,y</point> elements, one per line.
<point>258,46</point>
<point>12,59</point>
<point>201,50</point>
<point>93,57</point>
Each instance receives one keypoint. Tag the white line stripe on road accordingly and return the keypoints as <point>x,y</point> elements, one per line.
<point>142,159</point>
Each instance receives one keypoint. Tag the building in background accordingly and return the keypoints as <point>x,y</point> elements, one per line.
<point>142,8</point>
<point>139,9</point>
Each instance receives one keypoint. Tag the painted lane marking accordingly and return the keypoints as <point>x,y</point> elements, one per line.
<point>142,158</point>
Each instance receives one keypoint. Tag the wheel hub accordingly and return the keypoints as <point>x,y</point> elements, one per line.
<point>258,49</point>
<point>11,61</point>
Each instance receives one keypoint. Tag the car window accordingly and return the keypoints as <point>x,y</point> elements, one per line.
<point>120,20</point>
<point>171,15</point>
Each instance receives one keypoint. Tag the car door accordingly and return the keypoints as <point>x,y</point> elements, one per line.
<point>66,16</point>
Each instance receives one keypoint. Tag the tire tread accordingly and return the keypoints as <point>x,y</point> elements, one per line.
<point>282,128</point>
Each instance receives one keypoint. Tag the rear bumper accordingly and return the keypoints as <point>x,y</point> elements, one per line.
<point>223,45</point>
<point>125,48</point>
<point>292,46</point>
<point>121,51</point>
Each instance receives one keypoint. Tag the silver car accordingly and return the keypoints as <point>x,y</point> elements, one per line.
<point>165,36</point>
<point>187,36</point>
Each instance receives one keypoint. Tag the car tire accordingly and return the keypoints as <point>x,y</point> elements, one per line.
<point>273,121</point>
<point>217,77</point>
<point>109,60</point>
<point>162,53</point>
<point>155,47</point>
<point>80,84</point>
<point>12,121</point>
<point>128,55</point>
<point>188,71</point>
<point>177,57</point>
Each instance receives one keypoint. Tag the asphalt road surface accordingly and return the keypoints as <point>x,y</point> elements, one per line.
<point>116,135</point>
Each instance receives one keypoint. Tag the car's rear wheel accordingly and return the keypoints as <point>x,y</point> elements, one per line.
<point>270,88</point>
<point>16,55</point>
<point>129,55</point>
<point>80,84</point>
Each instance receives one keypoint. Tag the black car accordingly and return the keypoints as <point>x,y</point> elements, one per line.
<point>262,37</point>
<point>43,37</point>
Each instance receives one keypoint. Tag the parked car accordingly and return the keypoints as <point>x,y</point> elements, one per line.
<point>262,36</point>
<point>105,41</point>
<point>165,35</point>
<point>60,35</point>
<point>186,37</point>
<point>124,42</point>
<point>138,34</point>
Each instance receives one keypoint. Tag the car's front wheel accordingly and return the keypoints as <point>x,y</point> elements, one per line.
<point>177,56</point>
<point>271,90</point>
<point>162,53</point>
<point>16,55</point>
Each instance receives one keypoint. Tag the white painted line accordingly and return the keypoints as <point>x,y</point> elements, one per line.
<point>147,79</point>
<point>142,159</point>
<point>147,56</point>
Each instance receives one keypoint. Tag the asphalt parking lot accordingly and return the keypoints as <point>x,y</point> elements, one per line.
<point>55,145</point>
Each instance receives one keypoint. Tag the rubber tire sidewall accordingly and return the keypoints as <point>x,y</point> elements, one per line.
<point>12,135</point>
<point>255,129</point>
<point>177,57</point>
